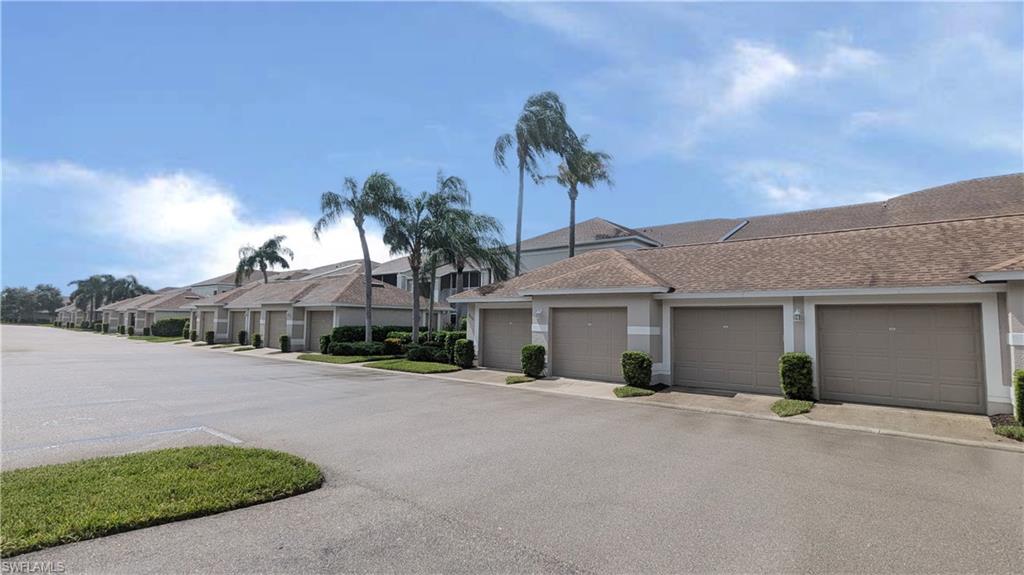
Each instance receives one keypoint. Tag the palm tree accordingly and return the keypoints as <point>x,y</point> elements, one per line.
<point>414,230</point>
<point>541,128</point>
<point>467,237</point>
<point>91,293</point>
<point>265,257</point>
<point>377,199</point>
<point>126,287</point>
<point>582,167</point>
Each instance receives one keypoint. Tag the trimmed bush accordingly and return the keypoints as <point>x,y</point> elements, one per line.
<point>208,337</point>
<point>532,358</point>
<point>392,346</point>
<point>193,335</point>
<point>462,323</point>
<point>1018,394</point>
<point>796,376</point>
<point>106,328</point>
<point>636,368</point>
<point>354,333</point>
<point>120,329</point>
<point>449,343</point>
<point>402,336</point>
<point>257,340</point>
<point>146,331</point>
<point>185,331</point>
<point>325,344</point>
<point>426,353</point>
<point>98,327</point>
<point>131,330</point>
<point>464,353</point>
<point>286,344</point>
<point>86,325</point>
<point>356,348</point>
<point>170,327</point>
<point>243,337</point>
<point>71,325</point>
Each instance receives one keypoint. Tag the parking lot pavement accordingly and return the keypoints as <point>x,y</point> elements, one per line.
<point>443,476</point>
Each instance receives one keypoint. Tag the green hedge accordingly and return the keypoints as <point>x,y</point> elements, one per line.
<point>243,337</point>
<point>208,337</point>
<point>636,368</point>
<point>796,376</point>
<point>356,348</point>
<point>170,327</point>
<point>146,331</point>
<point>353,333</point>
<point>257,340</point>
<point>131,330</point>
<point>393,346</point>
<point>106,328</point>
<point>403,336</point>
<point>426,353</point>
<point>532,358</point>
<point>464,353</point>
<point>1018,394</point>
<point>286,344</point>
<point>325,344</point>
<point>193,335</point>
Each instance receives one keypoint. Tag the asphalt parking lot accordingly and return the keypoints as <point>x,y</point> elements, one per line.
<point>425,475</point>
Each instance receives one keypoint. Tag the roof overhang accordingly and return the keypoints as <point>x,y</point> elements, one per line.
<point>837,292</point>
<point>485,299</point>
<point>600,242</point>
<point>999,276</point>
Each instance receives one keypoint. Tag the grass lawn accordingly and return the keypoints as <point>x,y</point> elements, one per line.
<point>244,348</point>
<point>632,391</point>
<point>155,338</point>
<point>343,358</point>
<point>56,504</point>
<point>1011,431</point>
<point>512,379</point>
<point>413,366</point>
<point>790,407</point>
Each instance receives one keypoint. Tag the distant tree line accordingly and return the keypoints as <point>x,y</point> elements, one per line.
<point>23,305</point>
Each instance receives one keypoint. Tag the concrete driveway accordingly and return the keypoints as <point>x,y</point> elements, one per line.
<point>426,475</point>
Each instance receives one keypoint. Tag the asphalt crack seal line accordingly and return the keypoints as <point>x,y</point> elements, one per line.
<point>214,432</point>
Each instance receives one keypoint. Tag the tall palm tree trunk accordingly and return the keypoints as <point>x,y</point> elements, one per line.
<point>573,193</point>
<point>367,270</point>
<point>430,304</point>
<point>458,289</point>
<point>415,303</point>
<point>519,215</point>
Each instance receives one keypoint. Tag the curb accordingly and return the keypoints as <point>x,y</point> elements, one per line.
<point>795,420</point>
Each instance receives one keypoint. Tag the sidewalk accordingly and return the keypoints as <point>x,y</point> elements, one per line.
<point>955,428</point>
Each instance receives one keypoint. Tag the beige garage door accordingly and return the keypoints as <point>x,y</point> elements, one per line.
<point>926,356</point>
<point>205,323</point>
<point>275,328</point>
<point>587,343</point>
<point>503,333</point>
<point>732,349</point>
<point>236,323</point>
<point>320,323</point>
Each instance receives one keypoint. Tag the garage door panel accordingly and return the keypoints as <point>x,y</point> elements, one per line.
<point>504,332</point>
<point>275,328</point>
<point>321,323</point>
<point>734,349</point>
<point>587,343</point>
<point>912,355</point>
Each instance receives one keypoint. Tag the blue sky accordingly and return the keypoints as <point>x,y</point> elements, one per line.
<point>155,139</point>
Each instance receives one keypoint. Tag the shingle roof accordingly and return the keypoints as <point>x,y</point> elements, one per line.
<point>224,297</point>
<point>130,303</point>
<point>346,289</point>
<point>1014,264</point>
<point>170,301</point>
<point>587,231</point>
<point>229,278</point>
<point>914,255</point>
<point>696,232</point>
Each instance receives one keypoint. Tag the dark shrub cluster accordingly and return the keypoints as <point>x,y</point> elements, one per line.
<point>120,329</point>
<point>796,376</point>
<point>286,343</point>
<point>532,358</point>
<point>243,337</point>
<point>170,327</point>
<point>257,340</point>
<point>147,331</point>
<point>426,352</point>
<point>131,330</point>
<point>636,368</point>
<point>393,346</point>
<point>325,344</point>
<point>356,348</point>
<point>208,337</point>
<point>353,333</point>
<point>402,336</point>
<point>1018,394</point>
<point>193,335</point>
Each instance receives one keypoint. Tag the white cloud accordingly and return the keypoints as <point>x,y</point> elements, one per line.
<point>787,186</point>
<point>753,73</point>
<point>179,227</point>
<point>841,57</point>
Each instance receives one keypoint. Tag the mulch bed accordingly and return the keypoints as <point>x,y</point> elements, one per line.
<point>1002,419</point>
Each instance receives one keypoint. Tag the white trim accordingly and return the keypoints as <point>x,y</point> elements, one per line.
<point>292,322</point>
<point>643,330</point>
<point>579,291</point>
<point>539,328</point>
<point>965,289</point>
<point>485,299</point>
<point>621,239</point>
<point>219,320</point>
<point>1007,275</point>
<point>1015,338</point>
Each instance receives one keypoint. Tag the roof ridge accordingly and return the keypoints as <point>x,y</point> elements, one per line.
<point>647,271</point>
<point>1002,264</point>
<point>841,231</point>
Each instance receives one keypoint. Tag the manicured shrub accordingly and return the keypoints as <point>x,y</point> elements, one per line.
<point>86,325</point>
<point>464,353</point>
<point>1018,394</point>
<point>392,346</point>
<point>449,343</point>
<point>325,344</point>
<point>208,337</point>
<point>193,335</point>
<point>146,331</point>
<point>257,340</point>
<point>170,327</point>
<point>98,327</point>
<point>402,336</point>
<point>286,343</point>
<point>106,328</point>
<point>185,331</point>
<point>131,330</point>
<point>354,333</point>
<point>71,325</point>
<point>796,376</point>
<point>532,358</point>
<point>636,368</point>
<point>243,337</point>
<point>462,324</point>
<point>426,353</point>
<point>356,348</point>
<point>120,329</point>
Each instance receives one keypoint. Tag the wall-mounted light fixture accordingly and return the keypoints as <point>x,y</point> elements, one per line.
<point>798,315</point>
